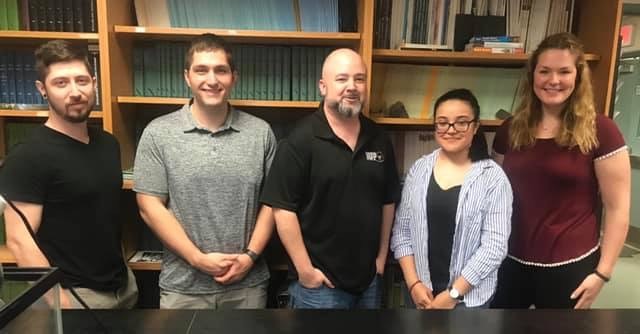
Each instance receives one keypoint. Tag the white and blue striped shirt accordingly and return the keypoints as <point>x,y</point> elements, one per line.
<point>483,225</point>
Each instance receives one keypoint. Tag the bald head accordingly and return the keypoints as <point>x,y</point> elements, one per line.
<point>344,82</point>
<point>342,56</point>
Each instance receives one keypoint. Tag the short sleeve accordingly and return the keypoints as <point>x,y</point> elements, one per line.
<point>286,180</point>
<point>610,139</point>
<point>271,144</point>
<point>22,176</point>
<point>501,140</point>
<point>149,171</point>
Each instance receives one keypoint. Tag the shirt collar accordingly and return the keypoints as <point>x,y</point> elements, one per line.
<point>190,124</point>
<point>322,129</point>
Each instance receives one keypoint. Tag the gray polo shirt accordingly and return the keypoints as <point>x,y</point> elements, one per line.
<point>212,180</point>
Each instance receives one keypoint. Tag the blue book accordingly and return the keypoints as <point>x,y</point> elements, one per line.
<point>30,77</point>
<point>19,69</point>
<point>4,78</point>
<point>11,76</point>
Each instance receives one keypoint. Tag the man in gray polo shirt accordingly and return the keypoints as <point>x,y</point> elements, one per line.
<point>198,174</point>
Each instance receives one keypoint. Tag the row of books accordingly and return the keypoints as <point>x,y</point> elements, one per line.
<point>48,15</point>
<point>265,72</point>
<point>433,22</point>
<point>18,76</point>
<point>286,15</point>
<point>498,44</point>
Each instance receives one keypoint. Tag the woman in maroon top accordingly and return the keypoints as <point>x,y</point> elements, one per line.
<point>563,160</point>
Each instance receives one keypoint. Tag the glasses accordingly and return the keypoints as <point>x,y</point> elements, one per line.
<point>458,126</point>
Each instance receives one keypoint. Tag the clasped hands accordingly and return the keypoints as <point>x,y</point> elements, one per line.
<point>224,268</point>
<point>422,296</point>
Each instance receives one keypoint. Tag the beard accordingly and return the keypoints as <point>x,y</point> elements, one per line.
<point>345,110</point>
<point>63,111</point>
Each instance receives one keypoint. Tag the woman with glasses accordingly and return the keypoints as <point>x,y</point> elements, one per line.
<point>563,160</point>
<point>453,222</point>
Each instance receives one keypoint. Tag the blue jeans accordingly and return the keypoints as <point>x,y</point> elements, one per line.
<point>328,298</point>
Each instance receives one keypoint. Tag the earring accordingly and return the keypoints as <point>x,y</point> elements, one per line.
<point>44,96</point>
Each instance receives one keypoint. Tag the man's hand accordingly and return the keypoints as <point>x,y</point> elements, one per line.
<point>215,264</point>
<point>237,271</point>
<point>314,279</point>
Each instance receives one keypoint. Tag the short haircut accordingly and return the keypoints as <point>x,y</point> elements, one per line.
<point>208,42</point>
<point>57,51</point>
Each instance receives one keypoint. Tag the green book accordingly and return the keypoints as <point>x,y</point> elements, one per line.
<point>3,15</point>
<point>138,71</point>
<point>295,73</point>
<point>286,74</point>
<point>13,22</point>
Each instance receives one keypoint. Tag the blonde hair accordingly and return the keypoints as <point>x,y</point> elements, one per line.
<point>578,115</point>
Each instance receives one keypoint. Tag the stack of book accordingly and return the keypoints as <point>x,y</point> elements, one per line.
<point>495,44</point>
<point>48,15</point>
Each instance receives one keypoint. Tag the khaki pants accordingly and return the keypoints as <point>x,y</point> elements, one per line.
<point>123,298</point>
<point>248,298</point>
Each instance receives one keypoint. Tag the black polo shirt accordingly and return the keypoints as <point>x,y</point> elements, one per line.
<point>337,194</point>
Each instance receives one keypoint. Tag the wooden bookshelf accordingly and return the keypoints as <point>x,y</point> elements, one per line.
<point>240,36</point>
<point>127,184</point>
<point>37,113</point>
<point>6,257</point>
<point>235,103</point>
<point>43,36</point>
<point>153,266</point>
<point>454,58</point>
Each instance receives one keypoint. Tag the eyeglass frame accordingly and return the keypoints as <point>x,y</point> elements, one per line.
<point>453,125</point>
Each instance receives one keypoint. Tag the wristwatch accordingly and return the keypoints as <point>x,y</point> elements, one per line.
<point>455,294</point>
<point>252,255</point>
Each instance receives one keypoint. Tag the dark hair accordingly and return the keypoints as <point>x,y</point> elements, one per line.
<point>57,51</point>
<point>208,42</point>
<point>479,149</point>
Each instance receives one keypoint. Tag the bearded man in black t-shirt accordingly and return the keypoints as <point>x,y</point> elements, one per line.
<point>66,178</point>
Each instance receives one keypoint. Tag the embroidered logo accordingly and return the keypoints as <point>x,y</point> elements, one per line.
<point>374,156</point>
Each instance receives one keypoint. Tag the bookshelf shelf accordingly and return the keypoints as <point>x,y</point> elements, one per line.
<point>241,36</point>
<point>149,266</point>
<point>6,257</point>
<point>37,113</point>
<point>127,184</point>
<point>235,103</point>
<point>41,36</point>
<point>454,58</point>
<point>423,121</point>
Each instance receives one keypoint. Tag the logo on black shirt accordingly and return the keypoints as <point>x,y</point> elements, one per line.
<point>374,156</point>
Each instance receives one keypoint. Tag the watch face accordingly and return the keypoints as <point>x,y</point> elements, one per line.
<point>454,293</point>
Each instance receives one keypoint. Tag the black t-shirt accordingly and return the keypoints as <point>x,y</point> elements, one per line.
<point>79,188</point>
<point>337,194</point>
<point>441,220</point>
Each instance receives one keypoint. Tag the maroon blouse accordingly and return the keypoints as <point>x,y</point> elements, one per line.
<point>555,195</point>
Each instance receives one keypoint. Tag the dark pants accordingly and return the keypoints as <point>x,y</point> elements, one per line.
<point>521,286</point>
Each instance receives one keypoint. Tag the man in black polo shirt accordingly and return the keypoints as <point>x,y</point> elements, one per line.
<point>333,187</point>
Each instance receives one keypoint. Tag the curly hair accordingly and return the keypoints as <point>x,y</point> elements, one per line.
<point>578,115</point>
